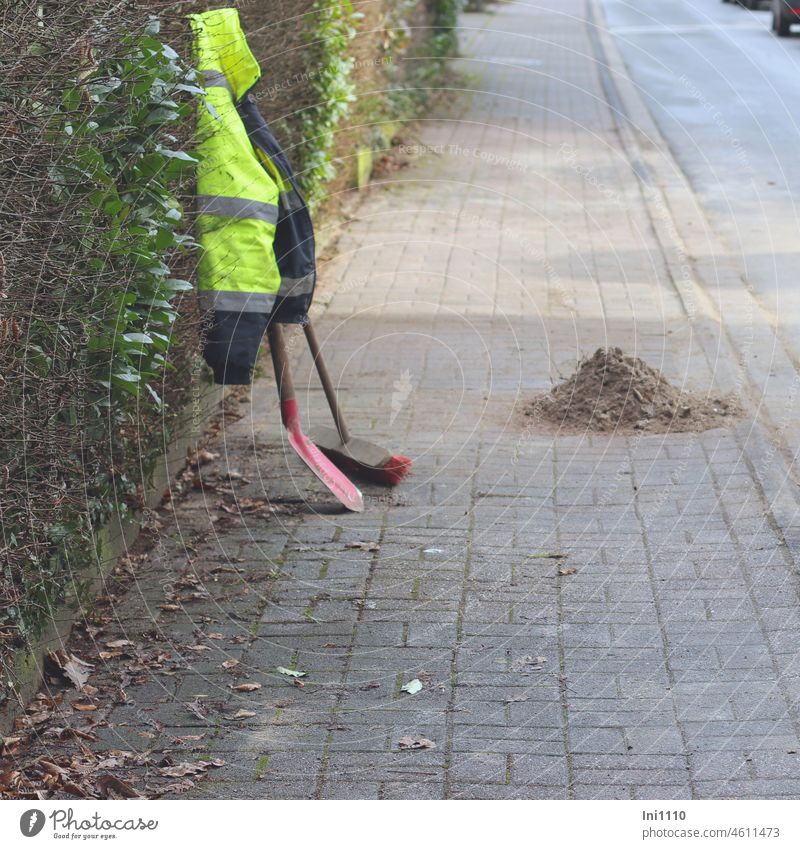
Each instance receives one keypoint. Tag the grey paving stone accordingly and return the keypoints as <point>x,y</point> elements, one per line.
<point>479,767</point>
<point>603,791</point>
<point>709,766</point>
<point>412,789</point>
<point>503,791</point>
<point>776,764</point>
<point>747,789</point>
<point>663,791</point>
<point>530,769</point>
<point>350,789</point>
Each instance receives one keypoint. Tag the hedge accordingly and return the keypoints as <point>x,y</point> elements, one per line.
<point>91,235</point>
<point>98,330</point>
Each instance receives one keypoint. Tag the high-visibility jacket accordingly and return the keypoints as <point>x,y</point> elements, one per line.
<point>257,241</point>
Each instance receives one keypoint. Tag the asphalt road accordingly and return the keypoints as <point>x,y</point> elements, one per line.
<point>725,93</point>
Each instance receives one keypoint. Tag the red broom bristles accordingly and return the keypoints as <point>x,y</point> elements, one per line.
<point>394,470</point>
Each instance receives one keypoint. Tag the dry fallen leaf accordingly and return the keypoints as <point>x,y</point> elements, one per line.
<point>245,688</point>
<point>9,780</point>
<point>113,762</point>
<point>196,708</point>
<point>567,571</point>
<point>202,458</point>
<point>31,719</point>
<point>363,546</point>
<point>199,596</point>
<point>66,733</point>
<point>77,671</point>
<point>118,644</point>
<point>183,769</point>
<point>416,743</point>
<point>8,743</point>
<point>187,581</point>
<point>74,789</point>
<point>230,664</point>
<point>71,667</point>
<point>189,738</point>
<point>112,787</point>
<point>176,787</point>
<point>86,707</point>
<point>242,714</point>
<point>51,768</point>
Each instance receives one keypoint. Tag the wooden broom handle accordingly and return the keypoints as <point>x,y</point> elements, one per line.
<point>327,383</point>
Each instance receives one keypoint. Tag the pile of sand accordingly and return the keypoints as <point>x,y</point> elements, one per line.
<point>612,391</point>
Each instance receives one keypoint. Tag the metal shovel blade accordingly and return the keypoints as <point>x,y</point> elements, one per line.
<point>337,482</point>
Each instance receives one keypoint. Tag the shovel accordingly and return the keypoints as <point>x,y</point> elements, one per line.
<point>344,490</point>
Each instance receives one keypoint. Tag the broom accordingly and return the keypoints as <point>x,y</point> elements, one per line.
<point>358,456</point>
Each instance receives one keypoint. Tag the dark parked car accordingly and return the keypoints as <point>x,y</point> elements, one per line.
<point>748,4</point>
<point>784,14</point>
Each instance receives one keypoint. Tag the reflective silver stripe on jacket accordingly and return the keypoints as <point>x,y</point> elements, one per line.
<point>293,286</point>
<point>216,79</point>
<point>229,207</point>
<point>215,299</point>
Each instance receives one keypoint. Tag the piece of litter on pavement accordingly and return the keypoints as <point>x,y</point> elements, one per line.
<point>363,546</point>
<point>413,686</point>
<point>294,673</point>
<point>548,555</point>
<point>530,660</point>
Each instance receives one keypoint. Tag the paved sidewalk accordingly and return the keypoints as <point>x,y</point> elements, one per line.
<point>665,666</point>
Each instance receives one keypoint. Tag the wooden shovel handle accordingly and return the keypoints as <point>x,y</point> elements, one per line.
<point>280,362</point>
<point>327,383</point>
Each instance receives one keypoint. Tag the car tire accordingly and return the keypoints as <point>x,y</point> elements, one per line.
<point>780,22</point>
